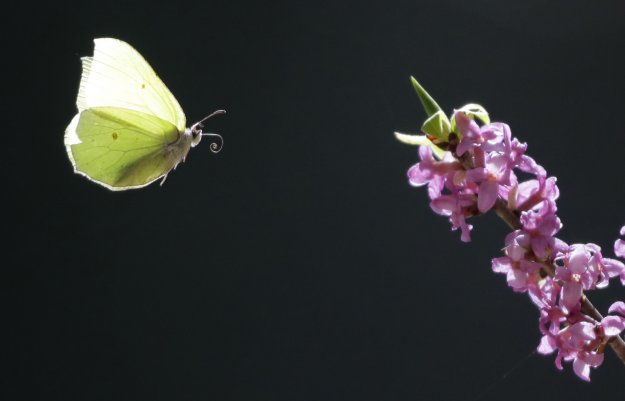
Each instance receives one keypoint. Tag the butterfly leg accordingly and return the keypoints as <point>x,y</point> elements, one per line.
<point>163,180</point>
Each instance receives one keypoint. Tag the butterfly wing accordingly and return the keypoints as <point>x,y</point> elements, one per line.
<point>122,149</point>
<point>118,76</point>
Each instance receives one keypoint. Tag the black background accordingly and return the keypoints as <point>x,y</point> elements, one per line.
<point>298,264</point>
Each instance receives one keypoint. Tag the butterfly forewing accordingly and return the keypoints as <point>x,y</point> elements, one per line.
<point>118,76</point>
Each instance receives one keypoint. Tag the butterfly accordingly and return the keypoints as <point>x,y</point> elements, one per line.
<point>129,130</point>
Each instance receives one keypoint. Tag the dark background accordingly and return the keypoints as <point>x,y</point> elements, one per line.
<point>298,264</point>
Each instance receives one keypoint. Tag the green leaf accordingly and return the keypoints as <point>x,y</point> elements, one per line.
<point>429,105</point>
<point>420,140</point>
<point>438,126</point>
<point>476,110</point>
<point>472,110</point>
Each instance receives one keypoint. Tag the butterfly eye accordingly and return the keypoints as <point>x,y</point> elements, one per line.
<point>196,130</point>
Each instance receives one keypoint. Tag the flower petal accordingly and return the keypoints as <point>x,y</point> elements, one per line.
<point>571,294</point>
<point>613,325</point>
<point>617,307</point>
<point>547,345</point>
<point>581,369</point>
<point>487,196</point>
<point>619,248</point>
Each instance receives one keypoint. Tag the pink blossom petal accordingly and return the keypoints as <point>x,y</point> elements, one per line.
<point>547,345</point>
<point>529,266</point>
<point>517,243</point>
<point>417,176</point>
<point>558,361</point>
<point>583,331</point>
<point>525,190</point>
<point>444,205</point>
<point>425,153</point>
<point>469,130</point>
<point>476,174</point>
<point>581,369</point>
<point>578,260</point>
<point>542,247</point>
<point>559,245</point>
<point>465,229</point>
<point>583,363</point>
<point>487,195</point>
<point>619,248</point>
<point>617,307</point>
<point>594,360</point>
<point>613,325</point>
<point>501,265</point>
<point>571,294</point>
<point>613,267</point>
<point>435,187</point>
<point>530,166</point>
<point>517,280</point>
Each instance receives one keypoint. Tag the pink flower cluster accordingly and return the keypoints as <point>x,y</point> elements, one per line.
<point>477,171</point>
<point>474,174</point>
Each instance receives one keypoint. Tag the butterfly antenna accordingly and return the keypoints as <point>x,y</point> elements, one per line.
<point>197,129</point>
<point>213,114</point>
<point>214,146</point>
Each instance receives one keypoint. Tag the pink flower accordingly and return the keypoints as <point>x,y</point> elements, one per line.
<point>584,361</point>
<point>545,296</point>
<point>542,224</point>
<point>433,172</point>
<point>521,275</point>
<point>575,343</point>
<point>458,207</point>
<point>578,272</point>
<point>489,178</point>
<point>471,177</point>
<point>518,243</point>
<point>473,136</point>
<point>532,194</point>
<point>429,168</point>
<point>613,268</point>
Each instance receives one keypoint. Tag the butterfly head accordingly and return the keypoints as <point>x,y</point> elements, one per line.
<point>197,134</point>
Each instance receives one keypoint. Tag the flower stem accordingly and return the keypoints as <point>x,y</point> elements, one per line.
<point>512,219</point>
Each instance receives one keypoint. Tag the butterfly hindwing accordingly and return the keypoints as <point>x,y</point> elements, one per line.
<point>121,148</point>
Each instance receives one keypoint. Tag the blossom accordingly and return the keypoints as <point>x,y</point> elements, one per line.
<point>583,361</point>
<point>431,171</point>
<point>494,158</point>
<point>458,207</point>
<point>479,168</point>
<point>532,194</point>
<point>473,136</point>
<point>613,268</point>
<point>521,275</point>
<point>488,179</point>
<point>575,274</point>
<point>545,297</point>
<point>576,343</point>
<point>542,224</point>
